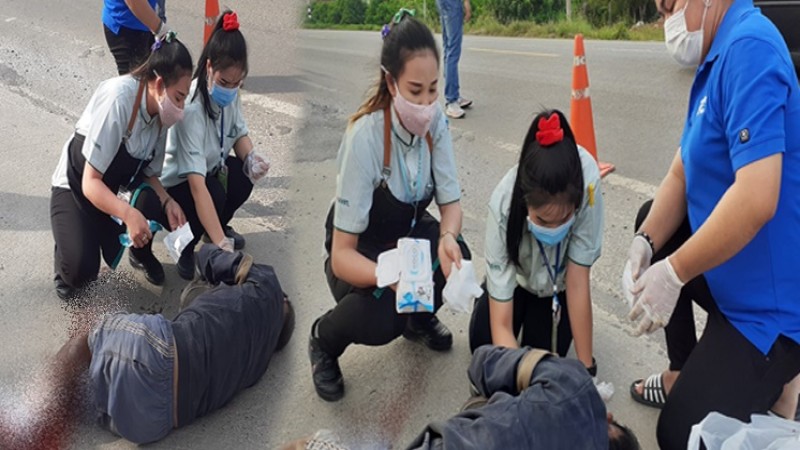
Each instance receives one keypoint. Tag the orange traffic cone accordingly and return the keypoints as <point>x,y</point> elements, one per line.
<point>212,11</point>
<point>580,109</point>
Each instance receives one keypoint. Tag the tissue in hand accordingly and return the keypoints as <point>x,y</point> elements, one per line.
<point>462,287</point>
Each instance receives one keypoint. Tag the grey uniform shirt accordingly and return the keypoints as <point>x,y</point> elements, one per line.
<point>360,167</point>
<point>193,144</point>
<point>105,121</point>
<point>582,244</point>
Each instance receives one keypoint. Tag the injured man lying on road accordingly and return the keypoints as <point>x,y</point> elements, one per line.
<point>148,375</point>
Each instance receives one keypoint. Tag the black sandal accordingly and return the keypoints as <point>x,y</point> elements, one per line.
<point>653,392</point>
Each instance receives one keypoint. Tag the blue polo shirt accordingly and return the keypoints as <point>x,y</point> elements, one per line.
<point>116,14</point>
<point>745,106</point>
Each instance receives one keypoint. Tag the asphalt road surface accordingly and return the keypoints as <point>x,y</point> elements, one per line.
<point>300,90</point>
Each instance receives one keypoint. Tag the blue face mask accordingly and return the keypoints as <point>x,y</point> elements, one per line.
<point>223,96</point>
<point>550,236</point>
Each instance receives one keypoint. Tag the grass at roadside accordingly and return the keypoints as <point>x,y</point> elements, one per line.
<point>560,29</point>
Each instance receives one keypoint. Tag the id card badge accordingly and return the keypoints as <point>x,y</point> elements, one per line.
<point>222,176</point>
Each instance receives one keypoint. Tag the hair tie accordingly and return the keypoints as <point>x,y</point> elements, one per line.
<point>230,22</point>
<point>168,37</point>
<point>398,17</point>
<point>550,130</point>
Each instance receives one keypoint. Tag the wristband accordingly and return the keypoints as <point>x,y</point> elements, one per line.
<point>160,28</point>
<point>593,369</point>
<point>648,239</point>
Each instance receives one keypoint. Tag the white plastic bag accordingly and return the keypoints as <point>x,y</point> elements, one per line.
<point>177,241</point>
<point>388,269</point>
<point>462,287</point>
<point>719,432</point>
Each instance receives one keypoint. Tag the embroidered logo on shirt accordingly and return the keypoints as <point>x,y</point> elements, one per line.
<point>744,135</point>
<point>702,107</point>
<point>343,201</point>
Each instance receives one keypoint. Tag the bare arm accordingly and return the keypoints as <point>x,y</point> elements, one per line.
<point>579,303</point>
<point>147,15</point>
<point>669,206</point>
<point>501,316</point>
<point>348,264</point>
<point>100,195</point>
<point>205,207</point>
<point>449,250</point>
<point>748,204</point>
<point>243,147</point>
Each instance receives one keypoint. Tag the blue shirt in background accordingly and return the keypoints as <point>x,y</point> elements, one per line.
<point>116,14</point>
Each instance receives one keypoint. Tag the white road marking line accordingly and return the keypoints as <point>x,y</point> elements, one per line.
<point>613,179</point>
<point>513,52</point>
<point>11,19</point>
<point>275,105</point>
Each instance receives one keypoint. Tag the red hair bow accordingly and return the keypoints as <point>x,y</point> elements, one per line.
<point>550,131</point>
<point>230,22</point>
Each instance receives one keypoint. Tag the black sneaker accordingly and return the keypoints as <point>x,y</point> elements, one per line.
<point>428,330</point>
<point>325,371</point>
<point>238,239</point>
<point>153,271</point>
<point>64,291</point>
<point>186,265</point>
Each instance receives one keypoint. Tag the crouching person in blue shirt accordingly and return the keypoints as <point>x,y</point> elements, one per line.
<point>536,400</point>
<point>149,375</point>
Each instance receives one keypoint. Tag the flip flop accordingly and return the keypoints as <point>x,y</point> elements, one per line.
<point>653,394</point>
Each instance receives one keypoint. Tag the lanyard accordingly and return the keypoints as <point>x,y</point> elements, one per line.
<point>415,196</point>
<point>556,305</point>
<point>221,137</point>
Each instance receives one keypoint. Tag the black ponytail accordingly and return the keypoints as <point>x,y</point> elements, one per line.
<point>225,49</point>
<point>544,175</point>
<point>169,58</point>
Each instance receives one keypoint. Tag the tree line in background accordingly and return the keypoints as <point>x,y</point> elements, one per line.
<point>378,12</point>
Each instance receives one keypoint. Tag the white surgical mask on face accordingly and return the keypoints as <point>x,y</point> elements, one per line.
<point>685,46</point>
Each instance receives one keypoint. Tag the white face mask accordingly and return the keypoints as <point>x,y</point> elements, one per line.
<point>685,46</point>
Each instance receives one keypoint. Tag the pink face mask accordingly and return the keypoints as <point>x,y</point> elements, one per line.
<point>415,118</point>
<point>168,112</point>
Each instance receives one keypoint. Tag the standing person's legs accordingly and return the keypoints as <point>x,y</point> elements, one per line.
<point>452,16</point>
<point>130,47</point>
<point>727,374</point>
<point>480,329</point>
<point>537,326</point>
<point>77,248</point>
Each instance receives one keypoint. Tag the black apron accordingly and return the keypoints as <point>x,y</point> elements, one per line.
<point>124,171</point>
<point>389,218</point>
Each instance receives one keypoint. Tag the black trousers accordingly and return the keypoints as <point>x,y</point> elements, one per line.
<point>723,371</point>
<point>532,315</point>
<point>362,318</point>
<point>82,236</point>
<point>225,202</point>
<point>130,47</point>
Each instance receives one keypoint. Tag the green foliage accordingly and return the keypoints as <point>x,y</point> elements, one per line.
<point>600,19</point>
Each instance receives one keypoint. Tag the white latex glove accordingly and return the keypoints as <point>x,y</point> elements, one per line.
<point>255,166</point>
<point>226,244</point>
<point>639,256</point>
<point>656,293</point>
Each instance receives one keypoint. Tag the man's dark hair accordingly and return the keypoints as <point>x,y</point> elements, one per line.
<point>621,437</point>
